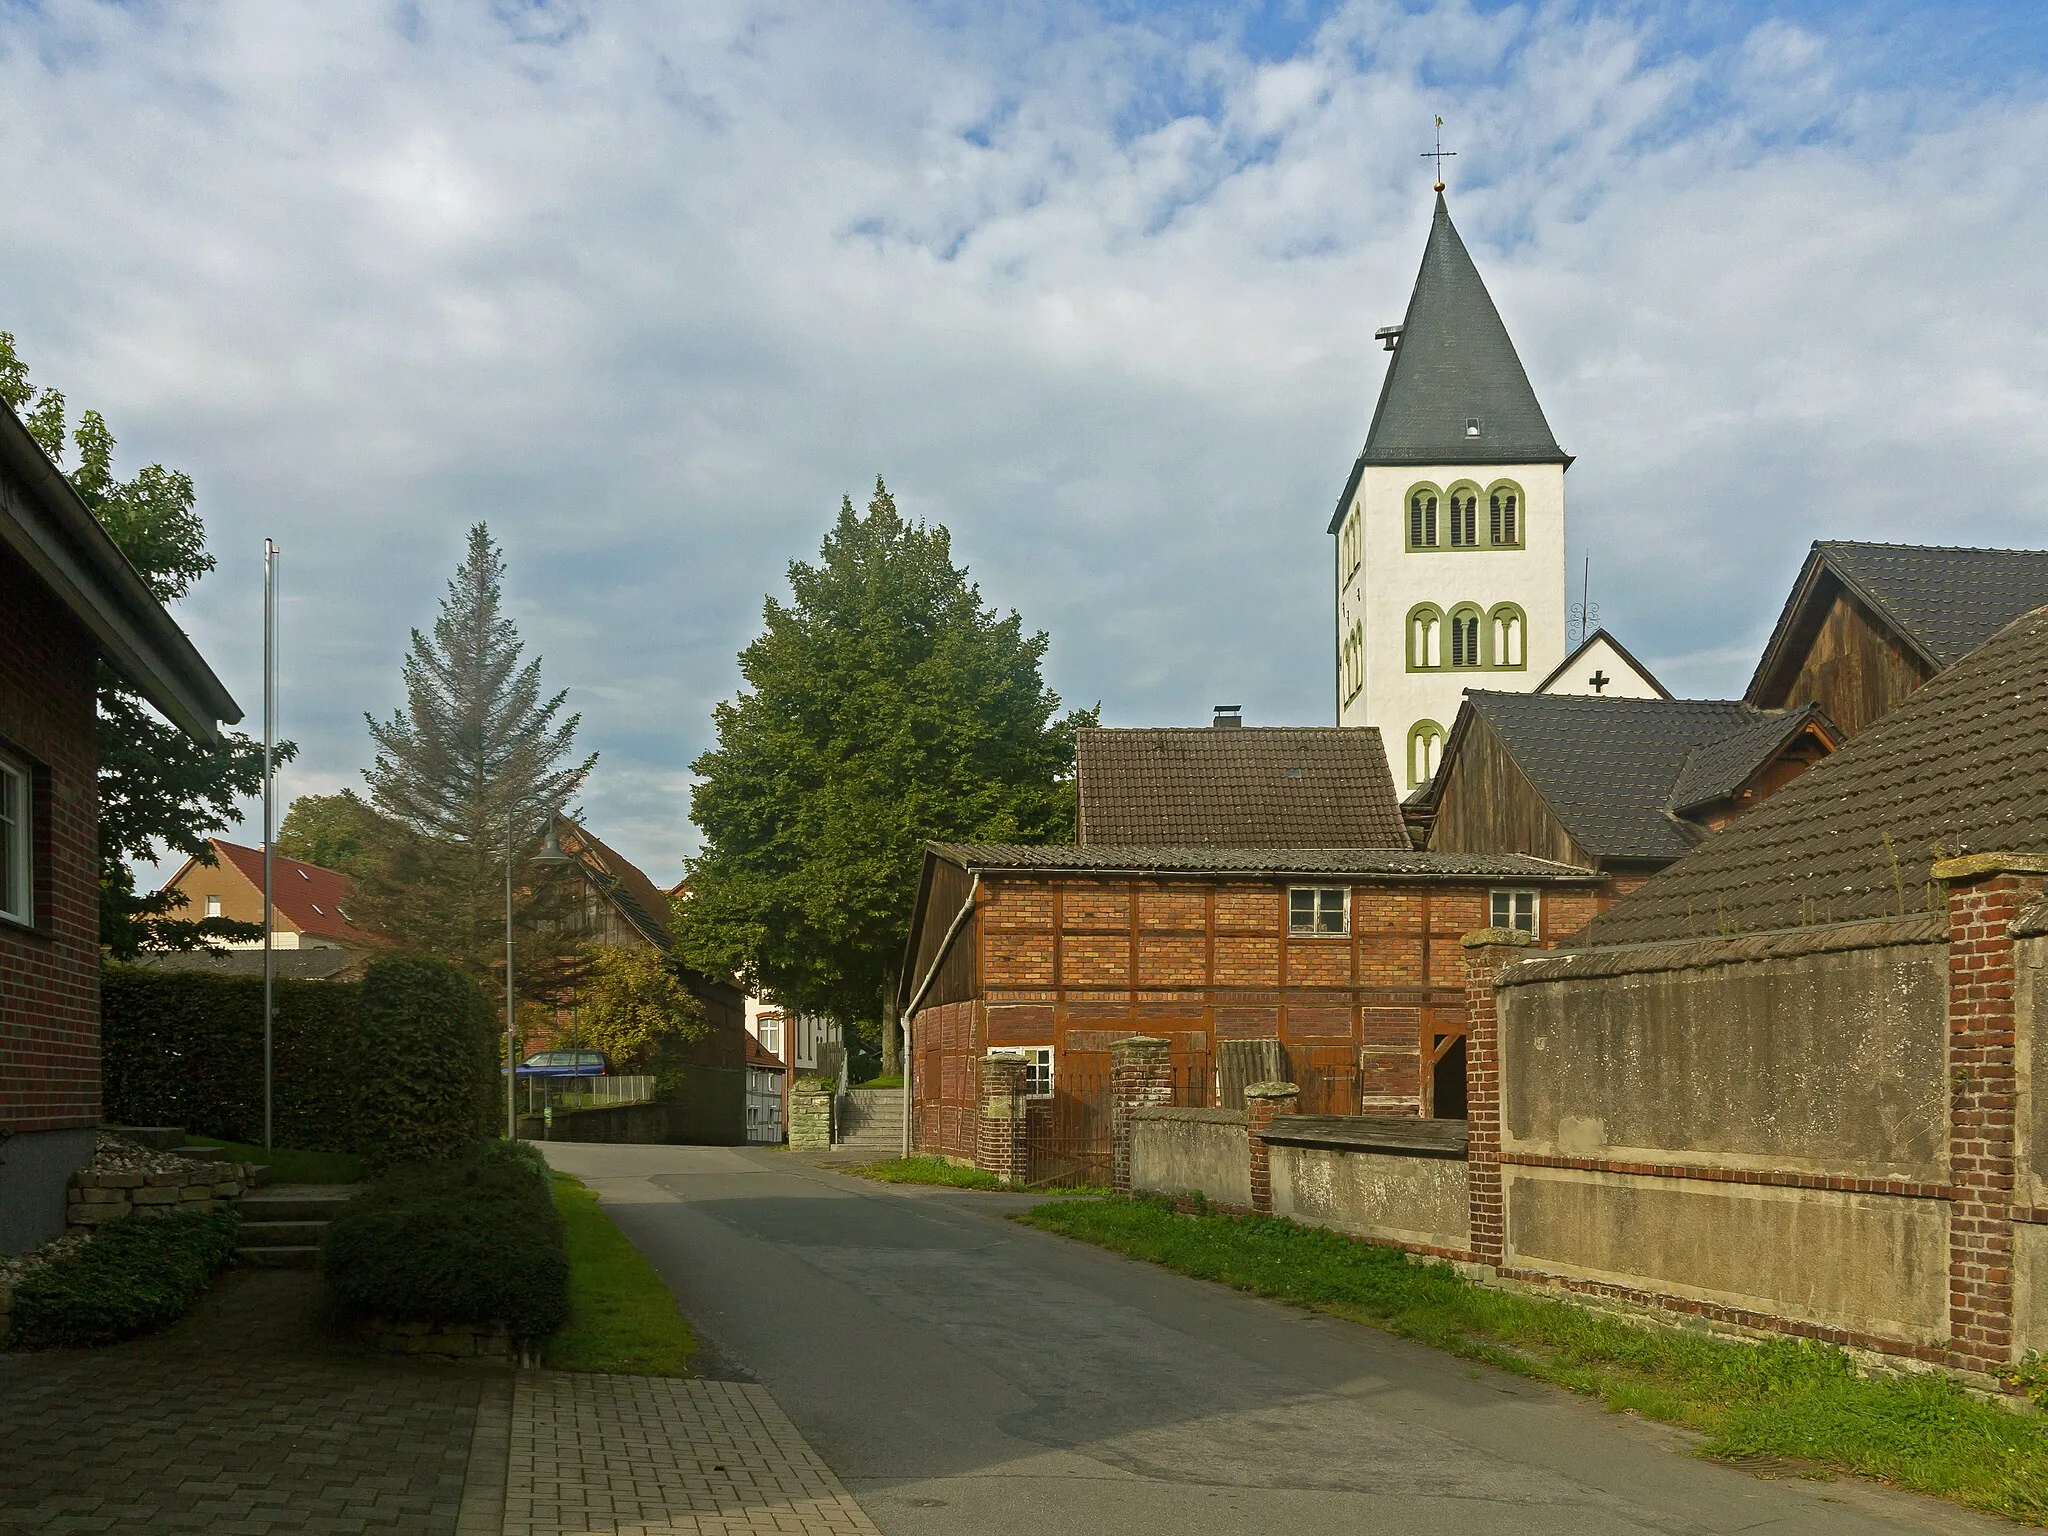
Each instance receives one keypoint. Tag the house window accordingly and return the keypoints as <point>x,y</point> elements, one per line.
<point>1422,519</point>
<point>1464,627</point>
<point>1354,661</point>
<point>1319,910</point>
<point>1505,636</point>
<point>1037,1069</point>
<point>213,906</point>
<point>768,1030</point>
<point>1425,752</point>
<point>1515,909</point>
<point>17,873</point>
<point>1425,637</point>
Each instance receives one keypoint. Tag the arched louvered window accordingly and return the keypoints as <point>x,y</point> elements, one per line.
<point>1425,637</point>
<point>1422,517</point>
<point>1504,516</point>
<point>1425,751</point>
<point>1464,519</point>
<point>1464,624</point>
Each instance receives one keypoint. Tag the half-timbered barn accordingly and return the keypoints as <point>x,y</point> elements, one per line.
<point>1866,625</point>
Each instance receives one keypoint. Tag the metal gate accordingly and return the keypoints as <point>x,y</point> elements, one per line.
<point>764,1106</point>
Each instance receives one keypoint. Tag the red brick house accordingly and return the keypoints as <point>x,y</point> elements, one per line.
<point>68,601</point>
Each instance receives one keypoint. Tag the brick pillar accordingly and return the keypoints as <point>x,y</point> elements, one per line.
<point>1140,1073</point>
<point>999,1146</point>
<point>1985,893</point>
<point>1262,1102</point>
<point>1487,953</point>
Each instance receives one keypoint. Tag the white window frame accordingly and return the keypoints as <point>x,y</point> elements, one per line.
<point>1314,928</point>
<point>212,904</point>
<point>1038,1068</point>
<point>768,1030</point>
<point>18,846</point>
<point>1508,894</point>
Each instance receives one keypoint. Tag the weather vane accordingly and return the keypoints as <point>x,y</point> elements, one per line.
<point>1439,154</point>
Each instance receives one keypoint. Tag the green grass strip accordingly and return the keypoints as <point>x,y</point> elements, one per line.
<point>1781,1398</point>
<point>289,1167</point>
<point>622,1319</point>
<point>928,1170</point>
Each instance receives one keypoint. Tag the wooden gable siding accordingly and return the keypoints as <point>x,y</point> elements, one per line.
<point>1851,666</point>
<point>1488,805</point>
<point>943,900</point>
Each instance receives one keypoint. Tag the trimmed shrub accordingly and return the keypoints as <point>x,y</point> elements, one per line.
<point>400,1066</point>
<point>430,1062</point>
<point>184,1048</point>
<point>136,1274</point>
<point>473,1240</point>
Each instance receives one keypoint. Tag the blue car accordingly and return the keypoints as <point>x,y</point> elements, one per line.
<point>563,1064</point>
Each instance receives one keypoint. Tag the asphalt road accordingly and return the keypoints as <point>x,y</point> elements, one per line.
<point>963,1374</point>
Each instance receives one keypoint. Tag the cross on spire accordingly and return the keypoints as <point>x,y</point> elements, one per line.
<point>1439,154</point>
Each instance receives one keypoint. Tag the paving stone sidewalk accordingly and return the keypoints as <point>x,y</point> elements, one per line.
<point>658,1455</point>
<point>245,1418</point>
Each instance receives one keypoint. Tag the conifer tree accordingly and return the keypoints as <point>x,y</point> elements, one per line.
<point>884,704</point>
<point>477,755</point>
<point>159,790</point>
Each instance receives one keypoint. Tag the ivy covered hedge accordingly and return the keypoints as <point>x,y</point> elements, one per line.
<point>473,1239</point>
<point>398,1066</point>
<point>134,1275</point>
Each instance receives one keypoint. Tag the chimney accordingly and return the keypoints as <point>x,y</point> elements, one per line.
<point>1228,715</point>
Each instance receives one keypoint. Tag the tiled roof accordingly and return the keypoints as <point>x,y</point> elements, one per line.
<point>1609,768</point>
<point>621,882</point>
<point>315,900</point>
<point>1454,362</point>
<point>1715,770</point>
<point>1363,863</point>
<point>1238,787</point>
<point>1960,767</point>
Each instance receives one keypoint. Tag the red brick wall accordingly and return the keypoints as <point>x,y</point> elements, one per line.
<point>49,978</point>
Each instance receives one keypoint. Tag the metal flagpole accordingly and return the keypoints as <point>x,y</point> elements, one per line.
<point>269,802</point>
<point>511,1066</point>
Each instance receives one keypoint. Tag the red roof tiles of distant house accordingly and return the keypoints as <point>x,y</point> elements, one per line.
<point>315,900</point>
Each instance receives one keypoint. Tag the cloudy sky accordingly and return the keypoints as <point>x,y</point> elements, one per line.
<point>648,287</point>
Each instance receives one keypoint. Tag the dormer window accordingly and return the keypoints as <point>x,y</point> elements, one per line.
<point>1471,426</point>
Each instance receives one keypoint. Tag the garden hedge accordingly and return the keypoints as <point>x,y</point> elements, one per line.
<point>474,1239</point>
<point>135,1274</point>
<point>400,1065</point>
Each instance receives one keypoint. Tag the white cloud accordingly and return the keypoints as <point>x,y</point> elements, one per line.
<point>649,287</point>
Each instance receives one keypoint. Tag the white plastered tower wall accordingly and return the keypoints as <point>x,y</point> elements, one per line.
<point>1390,581</point>
<point>1456,420</point>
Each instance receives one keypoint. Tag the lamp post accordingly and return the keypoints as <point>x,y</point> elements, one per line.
<point>549,855</point>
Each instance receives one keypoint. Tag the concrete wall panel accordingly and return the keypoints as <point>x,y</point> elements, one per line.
<point>1374,1194</point>
<point>2030,1009</point>
<point>1192,1151</point>
<point>1872,1264</point>
<point>2029,1288</point>
<point>1821,1063</point>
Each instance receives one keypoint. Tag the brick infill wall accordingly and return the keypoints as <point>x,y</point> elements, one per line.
<point>1263,1102</point>
<point>1985,894</point>
<point>1487,953</point>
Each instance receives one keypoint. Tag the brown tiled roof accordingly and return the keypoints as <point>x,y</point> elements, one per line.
<point>315,900</point>
<point>1960,767</point>
<point>1239,787</point>
<point>1360,863</point>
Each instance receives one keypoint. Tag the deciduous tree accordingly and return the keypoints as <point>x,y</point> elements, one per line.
<point>159,790</point>
<point>334,831</point>
<point>884,704</point>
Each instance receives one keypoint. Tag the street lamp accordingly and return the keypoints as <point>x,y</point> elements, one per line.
<point>549,855</point>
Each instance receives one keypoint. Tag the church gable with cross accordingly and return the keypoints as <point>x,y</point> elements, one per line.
<point>1449,533</point>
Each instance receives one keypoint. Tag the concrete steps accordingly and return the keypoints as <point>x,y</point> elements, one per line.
<point>281,1228</point>
<point>870,1120</point>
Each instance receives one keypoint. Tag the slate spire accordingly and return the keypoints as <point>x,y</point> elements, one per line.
<point>1454,365</point>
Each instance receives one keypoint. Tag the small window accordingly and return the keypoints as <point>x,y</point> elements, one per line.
<point>316,908</point>
<point>1319,909</point>
<point>1422,520</point>
<point>1464,626</point>
<point>213,906</point>
<point>1464,519</point>
<point>17,872</point>
<point>770,1034</point>
<point>1502,526</point>
<point>1515,909</point>
<point>1425,752</point>
<point>1037,1069</point>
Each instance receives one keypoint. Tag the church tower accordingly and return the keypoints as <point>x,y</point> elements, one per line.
<point>1450,532</point>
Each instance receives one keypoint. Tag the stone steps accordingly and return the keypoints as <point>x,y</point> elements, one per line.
<point>871,1121</point>
<point>281,1228</point>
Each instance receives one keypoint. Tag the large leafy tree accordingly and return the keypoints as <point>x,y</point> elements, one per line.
<point>478,758</point>
<point>334,831</point>
<point>884,704</point>
<point>159,790</point>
